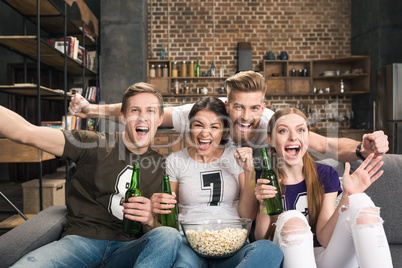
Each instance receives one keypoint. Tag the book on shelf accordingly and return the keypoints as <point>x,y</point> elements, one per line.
<point>91,93</point>
<point>73,122</point>
<point>72,44</point>
<point>52,124</point>
<point>25,85</point>
<point>93,124</point>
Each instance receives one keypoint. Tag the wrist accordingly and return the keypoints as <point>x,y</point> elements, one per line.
<point>359,152</point>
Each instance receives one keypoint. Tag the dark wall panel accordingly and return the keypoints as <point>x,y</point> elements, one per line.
<point>123,46</point>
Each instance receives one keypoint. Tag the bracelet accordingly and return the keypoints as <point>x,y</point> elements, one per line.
<point>359,155</point>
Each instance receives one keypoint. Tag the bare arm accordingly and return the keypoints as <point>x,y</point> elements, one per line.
<point>248,205</point>
<point>79,106</point>
<point>263,220</point>
<point>16,128</point>
<point>344,149</point>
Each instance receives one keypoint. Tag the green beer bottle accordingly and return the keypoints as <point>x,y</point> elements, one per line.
<point>171,218</point>
<point>197,68</point>
<point>273,205</point>
<point>132,227</point>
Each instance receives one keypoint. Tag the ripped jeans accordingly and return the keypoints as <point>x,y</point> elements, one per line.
<point>358,239</point>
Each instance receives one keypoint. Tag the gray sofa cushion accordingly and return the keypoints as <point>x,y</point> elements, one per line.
<point>386,194</point>
<point>40,230</point>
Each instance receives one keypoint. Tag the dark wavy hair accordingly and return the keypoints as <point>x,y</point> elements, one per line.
<point>216,106</point>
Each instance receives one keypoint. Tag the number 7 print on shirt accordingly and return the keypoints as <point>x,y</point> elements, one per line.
<point>212,181</point>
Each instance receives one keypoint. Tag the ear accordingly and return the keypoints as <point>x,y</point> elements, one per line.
<point>269,140</point>
<point>227,106</point>
<point>160,119</point>
<point>263,105</point>
<point>123,118</point>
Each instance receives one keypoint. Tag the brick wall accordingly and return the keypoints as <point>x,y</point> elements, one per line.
<point>306,29</point>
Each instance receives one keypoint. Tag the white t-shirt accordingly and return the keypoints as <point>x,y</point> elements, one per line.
<point>260,140</point>
<point>206,190</point>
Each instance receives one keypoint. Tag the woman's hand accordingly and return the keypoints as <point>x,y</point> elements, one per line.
<point>363,177</point>
<point>264,191</point>
<point>162,203</point>
<point>244,158</point>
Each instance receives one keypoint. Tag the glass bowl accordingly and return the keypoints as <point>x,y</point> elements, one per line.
<point>216,238</point>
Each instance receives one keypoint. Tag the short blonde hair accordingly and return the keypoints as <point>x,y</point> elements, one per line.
<point>138,88</point>
<point>247,81</point>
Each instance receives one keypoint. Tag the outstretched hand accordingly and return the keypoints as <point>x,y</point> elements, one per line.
<point>79,106</point>
<point>363,177</point>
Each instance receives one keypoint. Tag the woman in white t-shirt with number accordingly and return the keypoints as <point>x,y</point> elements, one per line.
<point>214,180</point>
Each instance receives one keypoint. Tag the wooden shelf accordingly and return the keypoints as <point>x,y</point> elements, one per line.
<point>52,20</point>
<point>26,45</point>
<point>32,90</point>
<point>193,95</point>
<point>342,76</point>
<point>200,78</point>
<point>287,84</point>
<point>12,152</point>
<point>347,93</point>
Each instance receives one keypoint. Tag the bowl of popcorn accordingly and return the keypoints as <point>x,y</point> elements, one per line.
<point>216,238</point>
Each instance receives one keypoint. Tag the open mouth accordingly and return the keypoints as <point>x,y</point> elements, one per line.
<point>142,131</point>
<point>244,127</point>
<point>292,151</point>
<point>204,144</point>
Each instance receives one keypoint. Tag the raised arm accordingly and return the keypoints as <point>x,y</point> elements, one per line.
<point>16,128</point>
<point>79,106</point>
<point>344,149</point>
<point>248,205</point>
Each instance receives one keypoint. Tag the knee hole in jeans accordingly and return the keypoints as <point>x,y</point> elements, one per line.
<point>368,215</point>
<point>293,231</point>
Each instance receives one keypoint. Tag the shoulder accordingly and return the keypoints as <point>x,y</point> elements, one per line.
<point>326,170</point>
<point>267,114</point>
<point>178,155</point>
<point>328,177</point>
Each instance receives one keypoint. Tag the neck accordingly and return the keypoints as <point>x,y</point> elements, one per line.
<point>212,156</point>
<point>293,174</point>
<point>132,147</point>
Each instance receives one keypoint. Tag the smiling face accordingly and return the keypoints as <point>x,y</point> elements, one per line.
<point>206,130</point>
<point>245,110</point>
<point>141,118</point>
<point>289,137</point>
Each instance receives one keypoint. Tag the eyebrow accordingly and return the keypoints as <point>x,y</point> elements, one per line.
<point>198,121</point>
<point>252,105</point>
<point>282,124</point>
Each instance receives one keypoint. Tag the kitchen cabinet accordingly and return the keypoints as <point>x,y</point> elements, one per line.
<point>286,77</point>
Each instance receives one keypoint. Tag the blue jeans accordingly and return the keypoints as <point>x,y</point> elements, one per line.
<point>156,248</point>
<point>262,253</point>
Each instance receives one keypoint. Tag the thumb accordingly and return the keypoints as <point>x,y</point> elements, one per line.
<point>347,169</point>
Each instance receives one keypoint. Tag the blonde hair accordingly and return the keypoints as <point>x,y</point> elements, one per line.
<point>314,187</point>
<point>141,88</point>
<point>247,81</point>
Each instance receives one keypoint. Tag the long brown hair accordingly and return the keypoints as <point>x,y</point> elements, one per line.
<point>314,187</point>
